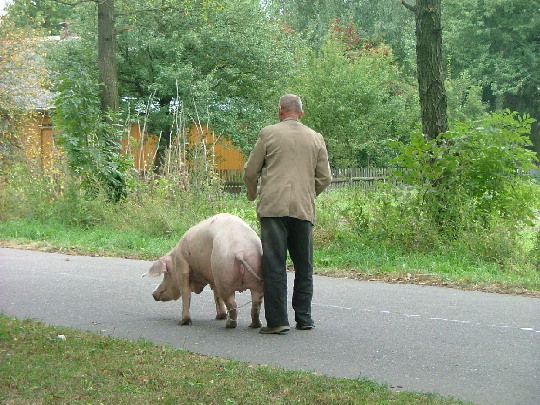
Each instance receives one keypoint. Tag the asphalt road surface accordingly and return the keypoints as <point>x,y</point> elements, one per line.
<point>478,347</point>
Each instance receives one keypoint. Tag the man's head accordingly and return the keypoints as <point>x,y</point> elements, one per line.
<point>290,105</point>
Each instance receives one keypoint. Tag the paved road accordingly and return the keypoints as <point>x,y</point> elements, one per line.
<point>475,346</point>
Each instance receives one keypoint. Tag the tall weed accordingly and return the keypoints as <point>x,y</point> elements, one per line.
<point>25,193</point>
<point>393,216</point>
<point>387,219</point>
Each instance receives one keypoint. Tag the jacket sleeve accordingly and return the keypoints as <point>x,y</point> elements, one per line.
<point>323,175</point>
<point>253,168</point>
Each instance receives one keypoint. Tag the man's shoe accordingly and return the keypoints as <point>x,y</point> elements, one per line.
<point>277,330</point>
<point>305,326</point>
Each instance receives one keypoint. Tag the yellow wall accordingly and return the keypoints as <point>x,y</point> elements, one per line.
<point>39,143</point>
<point>225,155</point>
<point>141,146</point>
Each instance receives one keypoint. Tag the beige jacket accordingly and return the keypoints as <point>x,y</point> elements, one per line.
<point>291,161</point>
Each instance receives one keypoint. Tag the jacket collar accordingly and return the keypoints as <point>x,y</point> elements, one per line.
<point>291,119</point>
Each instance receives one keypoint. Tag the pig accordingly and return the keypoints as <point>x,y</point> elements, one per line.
<point>221,251</point>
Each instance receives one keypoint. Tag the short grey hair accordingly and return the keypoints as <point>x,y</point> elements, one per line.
<point>291,103</point>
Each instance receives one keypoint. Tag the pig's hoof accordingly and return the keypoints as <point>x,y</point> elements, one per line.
<point>231,324</point>
<point>185,321</point>
<point>221,316</point>
<point>255,325</point>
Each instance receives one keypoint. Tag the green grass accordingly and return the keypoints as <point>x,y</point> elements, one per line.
<point>37,367</point>
<point>54,365</point>
<point>374,234</point>
<point>100,240</point>
<point>351,257</point>
<point>440,267</point>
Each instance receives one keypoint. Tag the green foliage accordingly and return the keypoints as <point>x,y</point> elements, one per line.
<point>91,141</point>
<point>359,101</point>
<point>383,230</point>
<point>24,194</point>
<point>30,194</point>
<point>219,66</point>
<point>79,208</point>
<point>464,99</point>
<point>382,21</point>
<point>536,249</point>
<point>386,230</point>
<point>495,43</point>
<point>474,173</point>
<point>389,215</point>
<point>43,14</point>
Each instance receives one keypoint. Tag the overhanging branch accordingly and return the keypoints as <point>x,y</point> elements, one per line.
<point>408,6</point>
<point>75,2</point>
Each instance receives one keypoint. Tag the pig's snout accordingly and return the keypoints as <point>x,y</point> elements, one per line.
<point>160,296</point>
<point>163,295</point>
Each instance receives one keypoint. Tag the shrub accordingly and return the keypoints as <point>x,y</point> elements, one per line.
<point>91,139</point>
<point>474,172</point>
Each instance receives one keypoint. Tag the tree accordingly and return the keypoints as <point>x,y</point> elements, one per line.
<point>218,63</point>
<point>429,63</point>
<point>357,98</point>
<point>224,66</point>
<point>383,22</point>
<point>108,75</point>
<point>308,18</point>
<point>43,16</point>
<point>496,44</point>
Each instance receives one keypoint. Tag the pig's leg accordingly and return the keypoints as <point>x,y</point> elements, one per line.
<point>256,301</point>
<point>221,310</point>
<point>232,311</point>
<point>186,301</point>
<point>186,292</point>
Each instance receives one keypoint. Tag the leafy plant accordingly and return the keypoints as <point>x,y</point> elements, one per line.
<point>358,100</point>
<point>91,141</point>
<point>480,166</point>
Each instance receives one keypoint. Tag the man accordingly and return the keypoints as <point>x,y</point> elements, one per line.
<point>291,161</point>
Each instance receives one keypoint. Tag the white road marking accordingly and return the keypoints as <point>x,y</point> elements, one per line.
<point>417,316</point>
<point>331,306</point>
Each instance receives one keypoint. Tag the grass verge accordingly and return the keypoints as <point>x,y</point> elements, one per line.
<point>348,257</point>
<point>42,364</point>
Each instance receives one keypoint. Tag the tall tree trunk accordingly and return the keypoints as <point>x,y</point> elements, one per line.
<point>108,75</point>
<point>429,62</point>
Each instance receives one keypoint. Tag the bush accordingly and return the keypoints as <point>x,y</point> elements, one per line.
<point>477,171</point>
<point>90,138</point>
<point>351,221</point>
<point>535,252</point>
<point>395,216</point>
<point>25,193</point>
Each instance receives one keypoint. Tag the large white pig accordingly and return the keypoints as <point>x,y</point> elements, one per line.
<point>222,251</point>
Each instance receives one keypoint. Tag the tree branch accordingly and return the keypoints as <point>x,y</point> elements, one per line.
<point>75,2</point>
<point>408,6</point>
<point>148,10</point>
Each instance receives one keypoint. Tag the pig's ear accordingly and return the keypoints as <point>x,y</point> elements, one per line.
<point>158,267</point>
<point>167,263</point>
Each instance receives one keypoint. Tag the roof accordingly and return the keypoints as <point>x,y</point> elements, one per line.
<point>23,77</point>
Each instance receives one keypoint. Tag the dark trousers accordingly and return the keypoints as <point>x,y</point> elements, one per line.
<point>279,235</point>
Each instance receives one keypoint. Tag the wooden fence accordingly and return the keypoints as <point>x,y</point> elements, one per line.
<point>358,177</point>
